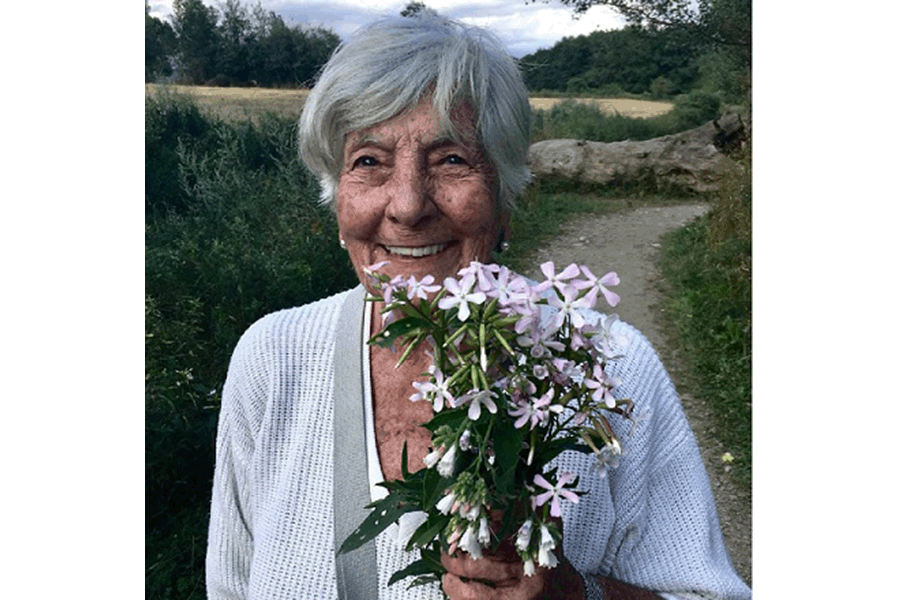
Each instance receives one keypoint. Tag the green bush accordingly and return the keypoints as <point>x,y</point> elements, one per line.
<point>708,265</point>
<point>661,87</point>
<point>245,238</point>
<point>571,119</point>
<point>172,122</point>
<point>695,109</point>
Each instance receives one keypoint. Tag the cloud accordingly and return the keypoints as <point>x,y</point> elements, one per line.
<point>523,26</point>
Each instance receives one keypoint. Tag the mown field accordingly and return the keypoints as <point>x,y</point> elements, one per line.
<point>234,102</point>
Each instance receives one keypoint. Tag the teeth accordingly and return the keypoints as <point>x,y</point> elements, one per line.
<point>416,252</point>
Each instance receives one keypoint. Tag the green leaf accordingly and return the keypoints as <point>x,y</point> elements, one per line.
<point>507,446</point>
<point>419,567</point>
<point>550,449</point>
<point>397,329</point>
<point>433,486</point>
<point>453,418</point>
<point>384,513</point>
<point>427,530</point>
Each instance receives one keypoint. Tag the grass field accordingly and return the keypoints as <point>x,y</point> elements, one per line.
<point>238,103</point>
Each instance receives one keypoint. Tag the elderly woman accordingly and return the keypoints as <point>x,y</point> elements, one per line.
<point>418,130</point>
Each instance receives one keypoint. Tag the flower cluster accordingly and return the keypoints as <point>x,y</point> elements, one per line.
<point>519,375</point>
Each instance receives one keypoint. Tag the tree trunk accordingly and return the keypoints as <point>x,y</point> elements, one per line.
<point>692,159</point>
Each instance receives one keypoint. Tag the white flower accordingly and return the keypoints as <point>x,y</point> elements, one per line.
<point>523,537</point>
<point>436,391</point>
<point>433,457</point>
<point>446,503</point>
<point>469,542</point>
<point>554,279</point>
<point>608,458</point>
<point>448,462</point>
<point>547,540</point>
<point>554,492</point>
<point>569,306</point>
<point>529,568</point>
<point>546,558</point>
<point>484,532</point>
<point>407,525</point>
<point>599,285</point>
<point>421,289</point>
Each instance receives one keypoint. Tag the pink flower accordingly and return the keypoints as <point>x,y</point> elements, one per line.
<point>602,385</point>
<point>569,306</point>
<point>540,341</point>
<point>507,290</point>
<point>461,295</point>
<point>538,412</point>
<point>476,398</point>
<point>435,391</point>
<point>388,288</point>
<point>554,492</point>
<point>600,285</point>
<point>421,289</point>
<point>554,279</point>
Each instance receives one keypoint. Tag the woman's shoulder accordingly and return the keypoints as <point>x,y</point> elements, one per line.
<point>309,324</point>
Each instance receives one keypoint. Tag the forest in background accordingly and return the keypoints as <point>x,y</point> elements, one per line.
<point>657,57</point>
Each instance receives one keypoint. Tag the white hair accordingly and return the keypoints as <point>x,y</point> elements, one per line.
<point>390,65</point>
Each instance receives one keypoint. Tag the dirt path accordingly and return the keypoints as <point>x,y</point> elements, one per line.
<point>627,242</point>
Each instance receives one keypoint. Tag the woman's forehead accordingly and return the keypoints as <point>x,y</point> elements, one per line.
<point>423,123</point>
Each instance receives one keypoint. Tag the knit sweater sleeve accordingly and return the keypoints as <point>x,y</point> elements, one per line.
<point>667,536</point>
<point>230,542</point>
<point>651,522</point>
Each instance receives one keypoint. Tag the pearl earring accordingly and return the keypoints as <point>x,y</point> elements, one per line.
<point>342,243</point>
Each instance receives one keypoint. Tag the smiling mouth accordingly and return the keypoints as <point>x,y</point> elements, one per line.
<point>416,252</point>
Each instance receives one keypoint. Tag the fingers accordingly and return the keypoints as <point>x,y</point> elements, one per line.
<point>490,568</point>
<point>458,588</point>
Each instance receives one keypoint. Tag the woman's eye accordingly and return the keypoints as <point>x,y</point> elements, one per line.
<point>365,161</point>
<point>454,159</point>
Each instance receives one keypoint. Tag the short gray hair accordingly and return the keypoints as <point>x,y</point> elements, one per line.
<point>393,63</point>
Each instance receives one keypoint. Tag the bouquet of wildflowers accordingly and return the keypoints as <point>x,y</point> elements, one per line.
<point>518,376</point>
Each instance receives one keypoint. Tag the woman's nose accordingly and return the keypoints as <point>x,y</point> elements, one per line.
<point>411,200</point>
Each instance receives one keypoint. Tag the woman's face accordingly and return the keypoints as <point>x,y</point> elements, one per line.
<point>409,195</point>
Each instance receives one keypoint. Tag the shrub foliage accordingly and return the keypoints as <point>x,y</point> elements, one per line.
<point>708,266</point>
<point>571,119</point>
<point>233,231</point>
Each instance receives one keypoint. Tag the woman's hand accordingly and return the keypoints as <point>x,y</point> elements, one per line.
<point>501,576</point>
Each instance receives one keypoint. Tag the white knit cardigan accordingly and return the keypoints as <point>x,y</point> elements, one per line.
<point>651,522</point>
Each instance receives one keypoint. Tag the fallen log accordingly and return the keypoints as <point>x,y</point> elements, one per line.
<point>690,159</point>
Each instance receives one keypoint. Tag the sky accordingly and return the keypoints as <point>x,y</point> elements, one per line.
<point>523,27</point>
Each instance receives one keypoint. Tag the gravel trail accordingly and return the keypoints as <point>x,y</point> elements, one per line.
<point>628,242</point>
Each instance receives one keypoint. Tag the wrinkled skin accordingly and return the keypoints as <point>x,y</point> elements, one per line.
<point>405,187</point>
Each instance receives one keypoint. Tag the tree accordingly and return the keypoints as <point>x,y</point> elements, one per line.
<point>720,22</point>
<point>195,29</point>
<point>414,9</point>
<point>316,46</point>
<point>235,40</point>
<point>159,45</point>
<point>722,27</point>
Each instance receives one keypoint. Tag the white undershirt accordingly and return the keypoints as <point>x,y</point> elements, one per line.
<point>376,476</point>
